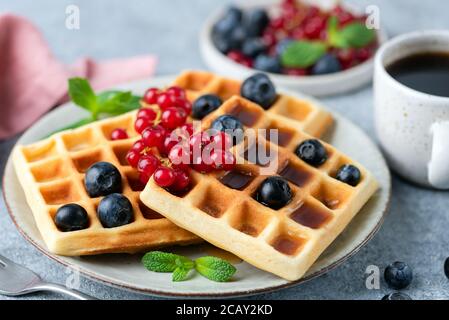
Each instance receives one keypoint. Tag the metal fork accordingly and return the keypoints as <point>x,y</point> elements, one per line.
<point>16,280</point>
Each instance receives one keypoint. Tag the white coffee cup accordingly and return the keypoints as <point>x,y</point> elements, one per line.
<point>412,127</point>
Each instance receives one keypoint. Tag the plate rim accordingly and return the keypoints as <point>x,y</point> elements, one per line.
<point>231,294</point>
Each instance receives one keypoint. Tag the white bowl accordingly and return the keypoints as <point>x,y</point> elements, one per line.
<point>324,85</point>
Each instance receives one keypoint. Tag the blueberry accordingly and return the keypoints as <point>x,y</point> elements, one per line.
<point>312,152</point>
<point>397,296</point>
<point>398,275</point>
<point>274,192</point>
<point>71,217</point>
<point>252,47</point>
<point>282,45</point>
<point>115,210</point>
<point>231,41</point>
<point>231,125</point>
<point>446,268</point>
<point>101,179</point>
<point>268,63</point>
<point>256,22</point>
<point>327,64</point>
<point>205,105</point>
<point>259,89</point>
<point>349,174</point>
<point>231,20</point>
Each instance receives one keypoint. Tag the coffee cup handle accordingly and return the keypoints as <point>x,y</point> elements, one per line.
<point>438,166</point>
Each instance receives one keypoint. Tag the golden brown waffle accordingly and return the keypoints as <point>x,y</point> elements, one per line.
<point>51,173</point>
<point>285,242</point>
<point>306,115</point>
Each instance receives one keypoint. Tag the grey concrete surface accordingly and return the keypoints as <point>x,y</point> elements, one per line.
<point>416,228</point>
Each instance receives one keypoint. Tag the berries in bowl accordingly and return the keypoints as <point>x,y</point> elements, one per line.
<point>302,45</point>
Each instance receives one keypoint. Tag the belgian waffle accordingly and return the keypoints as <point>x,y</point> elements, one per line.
<point>221,208</point>
<point>306,115</point>
<point>51,173</point>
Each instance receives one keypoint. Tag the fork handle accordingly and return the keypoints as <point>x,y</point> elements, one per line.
<point>61,289</point>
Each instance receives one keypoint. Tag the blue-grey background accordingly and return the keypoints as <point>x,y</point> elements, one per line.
<point>416,230</point>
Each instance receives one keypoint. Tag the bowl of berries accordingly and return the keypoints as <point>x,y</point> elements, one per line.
<point>318,47</point>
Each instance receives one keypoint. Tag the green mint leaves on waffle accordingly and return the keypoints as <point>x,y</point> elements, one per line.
<point>102,105</point>
<point>212,268</point>
<point>304,53</point>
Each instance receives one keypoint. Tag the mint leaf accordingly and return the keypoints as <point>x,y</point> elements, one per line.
<point>117,102</point>
<point>82,94</point>
<point>159,261</point>
<point>215,269</point>
<point>302,54</point>
<point>353,35</point>
<point>180,274</point>
<point>357,35</point>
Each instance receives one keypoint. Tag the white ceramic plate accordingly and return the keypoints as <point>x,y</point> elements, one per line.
<point>125,271</point>
<point>325,85</point>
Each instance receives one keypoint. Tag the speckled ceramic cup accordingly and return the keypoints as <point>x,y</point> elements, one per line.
<point>412,127</point>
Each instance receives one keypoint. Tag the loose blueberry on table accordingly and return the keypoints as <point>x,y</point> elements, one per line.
<point>398,275</point>
<point>299,40</point>
<point>397,296</point>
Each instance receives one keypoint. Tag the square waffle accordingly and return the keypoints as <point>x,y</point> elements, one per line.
<point>220,207</point>
<point>51,173</point>
<point>306,115</point>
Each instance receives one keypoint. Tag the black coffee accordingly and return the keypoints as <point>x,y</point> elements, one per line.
<point>425,72</point>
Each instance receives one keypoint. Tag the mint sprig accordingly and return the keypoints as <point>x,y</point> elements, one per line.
<point>213,268</point>
<point>304,53</point>
<point>105,104</point>
<point>353,35</point>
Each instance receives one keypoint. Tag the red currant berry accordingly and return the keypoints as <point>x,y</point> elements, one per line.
<point>314,27</point>
<point>180,156</point>
<point>151,95</point>
<point>166,100</point>
<point>198,141</point>
<point>142,123</point>
<point>177,92</point>
<point>164,177</point>
<point>182,180</point>
<point>187,129</point>
<point>138,146</point>
<point>143,178</point>
<point>154,137</point>
<point>170,141</point>
<point>185,105</point>
<point>146,113</point>
<point>133,158</point>
<point>148,164</point>
<point>222,160</point>
<point>119,134</point>
<point>295,72</point>
<point>363,54</point>
<point>221,140</point>
<point>236,56</point>
<point>173,118</point>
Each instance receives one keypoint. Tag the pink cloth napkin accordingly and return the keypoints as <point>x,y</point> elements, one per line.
<point>32,80</point>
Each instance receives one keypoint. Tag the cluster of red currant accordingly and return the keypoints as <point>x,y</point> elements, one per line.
<point>168,147</point>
